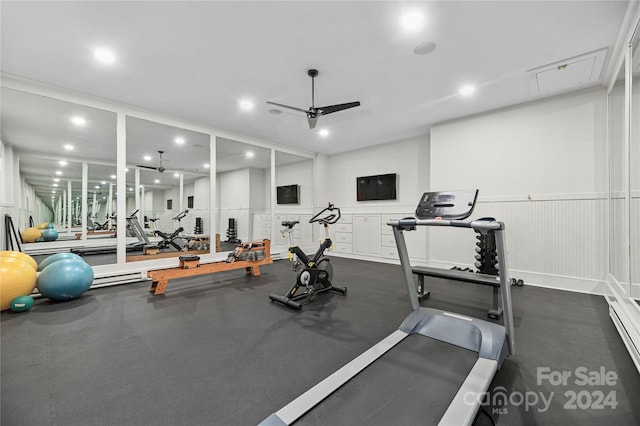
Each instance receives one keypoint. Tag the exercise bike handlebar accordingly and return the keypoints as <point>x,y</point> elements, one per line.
<point>181,215</point>
<point>330,218</point>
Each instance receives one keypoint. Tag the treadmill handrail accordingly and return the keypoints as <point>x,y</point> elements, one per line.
<point>480,225</point>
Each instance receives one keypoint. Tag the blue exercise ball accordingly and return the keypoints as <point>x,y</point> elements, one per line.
<point>49,234</point>
<point>65,279</point>
<point>56,257</point>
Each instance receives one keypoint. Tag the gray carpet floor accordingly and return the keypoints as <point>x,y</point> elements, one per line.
<point>214,351</point>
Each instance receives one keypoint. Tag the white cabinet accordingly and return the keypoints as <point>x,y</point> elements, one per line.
<point>366,235</point>
<point>261,227</point>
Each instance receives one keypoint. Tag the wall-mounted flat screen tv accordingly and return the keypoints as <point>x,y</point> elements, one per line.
<point>287,194</point>
<point>378,187</point>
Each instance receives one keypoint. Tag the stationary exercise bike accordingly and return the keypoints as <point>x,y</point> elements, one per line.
<point>317,273</point>
<point>173,238</point>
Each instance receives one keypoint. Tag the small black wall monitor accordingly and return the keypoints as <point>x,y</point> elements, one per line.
<point>169,204</point>
<point>287,194</point>
<point>190,202</point>
<point>377,187</point>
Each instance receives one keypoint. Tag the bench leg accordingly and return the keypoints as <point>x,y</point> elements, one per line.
<point>253,270</point>
<point>158,287</point>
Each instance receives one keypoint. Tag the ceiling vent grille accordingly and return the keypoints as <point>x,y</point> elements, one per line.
<point>568,74</point>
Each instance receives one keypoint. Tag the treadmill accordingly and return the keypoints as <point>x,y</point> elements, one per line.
<point>433,370</point>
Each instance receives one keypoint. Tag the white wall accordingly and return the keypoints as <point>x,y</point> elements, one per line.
<point>540,168</point>
<point>408,158</point>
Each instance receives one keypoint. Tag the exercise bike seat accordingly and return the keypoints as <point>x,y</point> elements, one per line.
<point>290,223</point>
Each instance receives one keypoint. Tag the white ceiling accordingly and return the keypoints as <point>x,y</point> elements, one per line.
<point>196,60</point>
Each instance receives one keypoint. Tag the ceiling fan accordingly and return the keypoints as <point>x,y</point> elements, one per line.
<point>313,113</point>
<point>160,169</point>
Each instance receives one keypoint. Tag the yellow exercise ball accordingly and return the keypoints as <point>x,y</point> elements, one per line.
<point>42,226</point>
<point>30,235</point>
<point>18,279</point>
<point>19,255</point>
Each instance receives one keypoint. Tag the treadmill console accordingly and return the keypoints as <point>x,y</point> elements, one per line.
<point>449,205</point>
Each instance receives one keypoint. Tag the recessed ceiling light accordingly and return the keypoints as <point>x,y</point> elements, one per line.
<point>467,90</point>
<point>69,147</point>
<point>156,181</point>
<point>206,165</point>
<point>324,133</point>
<point>126,170</point>
<point>275,111</point>
<point>246,105</point>
<point>78,121</point>
<point>249,154</point>
<point>62,163</point>
<point>130,189</point>
<point>103,182</point>
<point>97,187</point>
<point>53,192</point>
<point>147,158</point>
<point>179,140</point>
<point>412,21</point>
<point>104,56</point>
<point>55,185</point>
<point>56,180</point>
<point>176,175</point>
<point>425,48</point>
<point>58,172</point>
<point>104,198</point>
<point>113,176</point>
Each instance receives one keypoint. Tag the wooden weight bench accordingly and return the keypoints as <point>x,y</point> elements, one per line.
<point>190,266</point>
<point>469,277</point>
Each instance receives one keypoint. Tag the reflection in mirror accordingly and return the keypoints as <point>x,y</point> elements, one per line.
<point>634,168</point>
<point>166,166</point>
<point>294,200</point>
<point>618,230</point>
<point>52,140</point>
<point>243,180</point>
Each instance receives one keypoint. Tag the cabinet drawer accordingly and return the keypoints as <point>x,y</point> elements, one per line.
<point>346,218</point>
<point>342,247</point>
<point>343,237</point>
<point>387,240</point>
<point>389,252</point>
<point>344,227</point>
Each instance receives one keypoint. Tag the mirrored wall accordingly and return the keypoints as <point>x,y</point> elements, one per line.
<point>168,190</point>
<point>634,167</point>
<point>294,199</point>
<point>243,188</point>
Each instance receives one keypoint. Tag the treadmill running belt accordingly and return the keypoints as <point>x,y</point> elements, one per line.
<point>412,384</point>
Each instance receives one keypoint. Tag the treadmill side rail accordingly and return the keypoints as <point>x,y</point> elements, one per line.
<point>462,410</point>
<point>305,402</point>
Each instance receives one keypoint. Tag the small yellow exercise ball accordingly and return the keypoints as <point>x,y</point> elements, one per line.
<point>19,255</point>
<point>30,235</point>
<point>18,279</point>
<point>42,226</point>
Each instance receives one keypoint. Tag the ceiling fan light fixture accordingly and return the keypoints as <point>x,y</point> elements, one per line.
<point>425,48</point>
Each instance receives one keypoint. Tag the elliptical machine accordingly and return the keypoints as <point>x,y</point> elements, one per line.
<point>317,273</point>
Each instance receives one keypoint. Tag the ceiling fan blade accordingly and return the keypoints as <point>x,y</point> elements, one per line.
<point>290,107</point>
<point>312,119</point>
<point>335,108</point>
<point>146,167</point>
